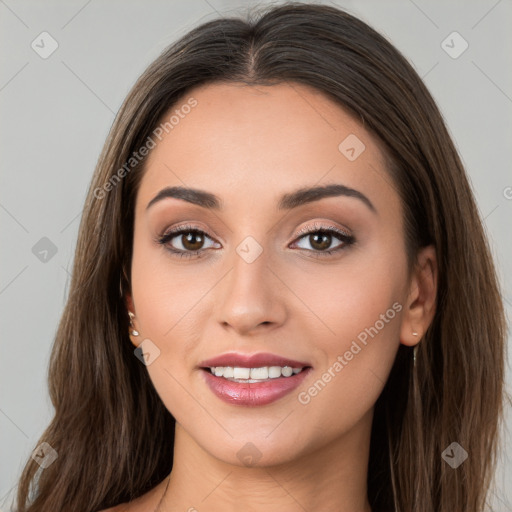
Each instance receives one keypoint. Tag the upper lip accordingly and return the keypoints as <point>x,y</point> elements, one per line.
<point>251,361</point>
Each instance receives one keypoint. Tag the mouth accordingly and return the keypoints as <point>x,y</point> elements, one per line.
<point>253,380</point>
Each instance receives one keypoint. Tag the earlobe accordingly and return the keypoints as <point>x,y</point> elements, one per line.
<point>133,331</point>
<point>419,308</point>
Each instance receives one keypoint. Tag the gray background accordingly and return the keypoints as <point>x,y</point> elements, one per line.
<point>57,111</point>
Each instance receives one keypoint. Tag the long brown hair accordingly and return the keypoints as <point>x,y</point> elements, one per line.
<point>112,433</point>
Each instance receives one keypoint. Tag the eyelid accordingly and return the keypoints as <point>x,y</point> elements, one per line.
<point>317,226</point>
<point>304,230</point>
<point>180,229</point>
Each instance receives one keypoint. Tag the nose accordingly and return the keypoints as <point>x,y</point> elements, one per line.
<point>251,297</point>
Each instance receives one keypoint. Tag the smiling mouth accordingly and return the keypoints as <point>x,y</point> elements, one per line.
<point>253,375</point>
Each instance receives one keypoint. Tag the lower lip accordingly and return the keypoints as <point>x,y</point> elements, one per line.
<point>253,393</point>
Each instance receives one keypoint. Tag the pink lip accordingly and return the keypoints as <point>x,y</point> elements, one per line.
<point>254,393</point>
<point>251,361</point>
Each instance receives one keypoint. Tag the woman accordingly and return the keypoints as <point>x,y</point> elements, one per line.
<point>282,295</point>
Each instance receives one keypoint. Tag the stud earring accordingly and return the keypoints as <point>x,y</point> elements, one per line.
<point>133,331</point>
<point>415,334</point>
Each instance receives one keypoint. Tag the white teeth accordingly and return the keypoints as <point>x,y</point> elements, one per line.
<point>274,372</point>
<point>228,372</point>
<point>240,374</point>
<point>287,371</point>
<point>259,373</point>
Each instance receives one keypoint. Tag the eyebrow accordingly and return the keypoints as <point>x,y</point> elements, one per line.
<point>288,201</point>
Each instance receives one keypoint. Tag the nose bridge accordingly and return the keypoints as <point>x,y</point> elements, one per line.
<point>250,293</point>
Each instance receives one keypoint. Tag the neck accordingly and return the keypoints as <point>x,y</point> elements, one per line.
<point>328,477</point>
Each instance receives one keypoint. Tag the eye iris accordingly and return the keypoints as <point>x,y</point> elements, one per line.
<point>190,238</point>
<point>193,240</point>
<point>324,237</point>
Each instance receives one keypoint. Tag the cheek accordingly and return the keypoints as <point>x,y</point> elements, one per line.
<point>172,303</point>
<point>167,300</point>
<point>350,298</point>
<point>166,294</point>
<point>357,323</point>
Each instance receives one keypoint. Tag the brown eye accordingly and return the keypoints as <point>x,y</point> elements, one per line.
<point>320,239</point>
<point>192,241</point>
<point>185,241</point>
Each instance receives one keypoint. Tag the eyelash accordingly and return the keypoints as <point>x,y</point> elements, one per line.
<point>347,239</point>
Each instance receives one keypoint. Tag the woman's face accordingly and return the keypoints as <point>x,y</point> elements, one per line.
<point>258,285</point>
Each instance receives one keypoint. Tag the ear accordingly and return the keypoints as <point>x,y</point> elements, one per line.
<point>124,290</point>
<point>128,299</point>
<point>420,306</point>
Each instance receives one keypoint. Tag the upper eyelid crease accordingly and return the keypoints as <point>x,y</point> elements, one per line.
<point>315,228</point>
<point>287,202</point>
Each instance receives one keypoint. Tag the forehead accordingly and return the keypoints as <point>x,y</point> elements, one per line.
<point>252,143</point>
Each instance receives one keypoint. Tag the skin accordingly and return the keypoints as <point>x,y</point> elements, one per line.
<point>250,145</point>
